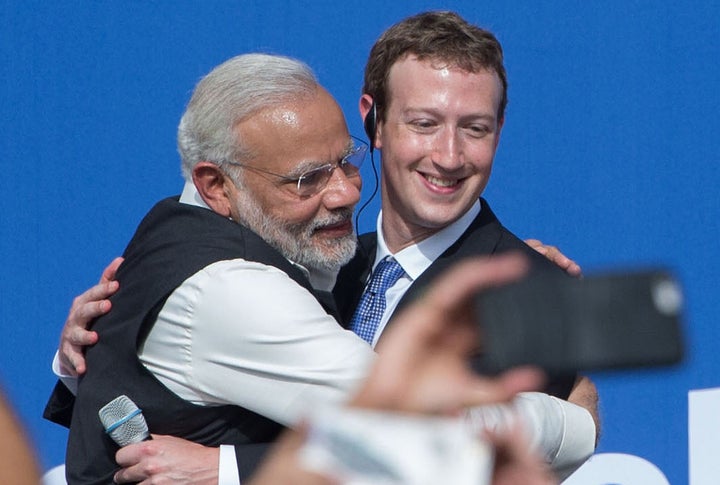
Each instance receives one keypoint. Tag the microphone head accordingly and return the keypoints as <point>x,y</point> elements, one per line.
<point>123,421</point>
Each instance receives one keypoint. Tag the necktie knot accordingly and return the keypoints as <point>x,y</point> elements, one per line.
<point>386,274</point>
<point>372,304</point>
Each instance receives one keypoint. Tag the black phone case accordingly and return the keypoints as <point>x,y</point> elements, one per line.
<point>603,321</point>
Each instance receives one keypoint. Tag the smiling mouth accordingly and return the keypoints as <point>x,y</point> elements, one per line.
<point>337,228</point>
<point>441,182</point>
<point>337,225</point>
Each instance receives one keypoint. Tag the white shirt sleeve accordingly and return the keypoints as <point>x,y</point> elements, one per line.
<point>71,382</point>
<point>227,468</point>
<point>244,333</point>
<point>562,432</point>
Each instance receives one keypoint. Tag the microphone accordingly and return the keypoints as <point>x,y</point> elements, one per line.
<point>123,421</point>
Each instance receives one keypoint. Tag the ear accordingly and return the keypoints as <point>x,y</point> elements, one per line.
<point>368,112</point>
<point>214,186</point>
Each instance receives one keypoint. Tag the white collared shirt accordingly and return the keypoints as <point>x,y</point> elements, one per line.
<point>415,259</point>
<point>244,333</point>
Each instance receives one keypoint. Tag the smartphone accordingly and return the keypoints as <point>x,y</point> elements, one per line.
<point>612,320</point>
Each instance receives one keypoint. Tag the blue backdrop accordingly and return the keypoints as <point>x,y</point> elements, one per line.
<point>609,151</point>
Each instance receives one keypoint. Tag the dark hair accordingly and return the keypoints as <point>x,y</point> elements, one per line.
<point>442,37</point>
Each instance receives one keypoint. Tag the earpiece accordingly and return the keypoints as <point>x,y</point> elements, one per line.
<point>370,124</point>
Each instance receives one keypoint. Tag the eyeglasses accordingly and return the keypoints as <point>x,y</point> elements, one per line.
<point>316,179</point>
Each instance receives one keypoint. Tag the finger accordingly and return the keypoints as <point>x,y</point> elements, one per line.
<point>75,335</point>
<point>556,256</point>
<point>72,360</point>
<point>129,458</point>
<point>553,253</point>
<point>574,269</point>
<point>132,474</point>
<point>83,314</point>
<point>129,475</point>
<point>96,293</point>
<point>75,331</point>
<point>567,264</point>
<point>537,245</point>
<point>110,271</point>
<point>68,366</point>
<point>72,341</point>
<point>82,338</point>
<point>130,455</point>
<point>88,306</point>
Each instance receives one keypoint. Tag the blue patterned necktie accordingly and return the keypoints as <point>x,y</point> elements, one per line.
<point>372,304</point>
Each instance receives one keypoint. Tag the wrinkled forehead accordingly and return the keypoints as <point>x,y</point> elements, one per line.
<point>302,130</point>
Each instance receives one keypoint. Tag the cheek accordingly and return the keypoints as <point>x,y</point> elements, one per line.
<point>482,156</point>
<point>297,212</point>
<point>273,204</point>
<point>405,150</point>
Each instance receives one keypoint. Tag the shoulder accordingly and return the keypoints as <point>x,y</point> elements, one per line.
<point>507,241</point>
<point>241,279</point>
<point>238,298</point>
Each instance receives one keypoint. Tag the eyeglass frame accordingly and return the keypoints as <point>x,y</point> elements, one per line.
<point>359,148</point>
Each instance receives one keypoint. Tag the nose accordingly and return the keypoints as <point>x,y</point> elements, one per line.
<point>341,190</point>
<point>447,150</point>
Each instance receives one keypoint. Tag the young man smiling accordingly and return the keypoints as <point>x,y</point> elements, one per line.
<point>433,101</point>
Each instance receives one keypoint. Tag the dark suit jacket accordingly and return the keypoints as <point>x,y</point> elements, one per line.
<point>485,236</point>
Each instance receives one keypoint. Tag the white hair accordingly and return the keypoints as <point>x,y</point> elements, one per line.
<point>233,91</point>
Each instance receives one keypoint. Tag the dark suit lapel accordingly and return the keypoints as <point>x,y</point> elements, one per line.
<point>352,278</point>
<point>481,238</point>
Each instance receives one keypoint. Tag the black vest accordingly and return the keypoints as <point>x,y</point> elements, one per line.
<point>172,243</point>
